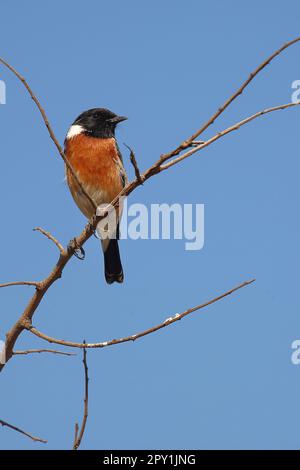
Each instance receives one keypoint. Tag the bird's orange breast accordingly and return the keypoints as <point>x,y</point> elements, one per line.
<point>98,166</point>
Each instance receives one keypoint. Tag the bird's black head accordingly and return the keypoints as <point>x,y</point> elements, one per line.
<point>99,122</point>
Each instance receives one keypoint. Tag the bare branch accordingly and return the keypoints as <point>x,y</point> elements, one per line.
<point>234,127</point>
<point>50,237</point>
<point>43,287</point>
<point>21,283</point>
<point>167,322</point>
<point>79,434</point>
<point>47,124</point>
<point>212,119</point>
<point>160,166</point>
<point>33,438</point>
<point>134,164</point>
<point>35,351</point>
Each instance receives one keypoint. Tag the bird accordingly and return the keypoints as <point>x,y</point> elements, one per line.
<point>93,153</point>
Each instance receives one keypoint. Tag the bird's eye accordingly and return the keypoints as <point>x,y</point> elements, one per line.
<point>96,115</point>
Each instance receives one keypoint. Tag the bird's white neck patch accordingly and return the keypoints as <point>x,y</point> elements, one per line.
<point>74,130</point>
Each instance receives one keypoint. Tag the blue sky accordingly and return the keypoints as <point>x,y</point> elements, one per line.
<point>222,378</point>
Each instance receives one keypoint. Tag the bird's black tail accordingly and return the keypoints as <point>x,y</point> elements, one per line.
<point>112,262</point>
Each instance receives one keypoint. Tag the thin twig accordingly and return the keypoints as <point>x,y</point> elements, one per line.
<point>76,434</point>
<point>79,434</point>
<point>20,283</point>
<point>47,123</point>
<point>50,237</point>
<point>134,164</point>
<point>35,351</point>
<point>167,322</point>
<point>33,438</point>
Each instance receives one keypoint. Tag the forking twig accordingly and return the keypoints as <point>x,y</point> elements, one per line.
<point>232,128</point>
<point>235,95</point>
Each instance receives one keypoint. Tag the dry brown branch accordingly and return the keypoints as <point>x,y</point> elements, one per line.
<point>43,287</point>
<point>50,237</point>
<point>25,321</point>
<point>232,128</point>
<point>33,438</point>
<point>49,128</point>
<point>79,434</point>
<point>159,166</point>
<point>222,108</point>
<point>38,351</point>
<point>167,322</point>
<point>20,283</point>
<point>134,164</point>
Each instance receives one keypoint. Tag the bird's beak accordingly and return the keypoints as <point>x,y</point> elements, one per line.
<point>117,119</point>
